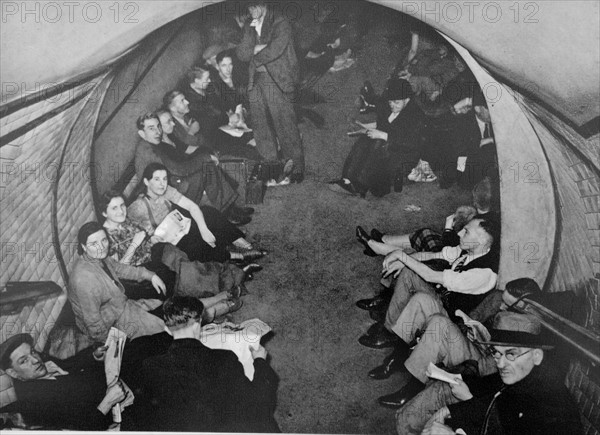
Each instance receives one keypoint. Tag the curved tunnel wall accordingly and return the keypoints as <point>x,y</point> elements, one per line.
<point>28,212</point>
<point>139,83</point>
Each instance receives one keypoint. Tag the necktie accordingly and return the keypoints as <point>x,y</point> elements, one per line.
<point>460,262</point>
<point>486,131</point>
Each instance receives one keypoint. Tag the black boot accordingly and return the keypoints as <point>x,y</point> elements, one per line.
<point>392,363</point>
<point>399,398</point>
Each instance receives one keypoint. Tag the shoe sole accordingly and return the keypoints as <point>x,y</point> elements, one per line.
<point>380,346</point>
<point>339,189</point>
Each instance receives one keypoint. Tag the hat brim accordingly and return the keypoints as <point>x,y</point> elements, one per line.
<point>500,337</point>
<point>9,345</point>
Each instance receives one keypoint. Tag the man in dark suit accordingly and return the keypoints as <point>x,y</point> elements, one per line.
<point>191,174</point>
<point>72,395</point>
<point>273,75</point>
<point>194,388</point>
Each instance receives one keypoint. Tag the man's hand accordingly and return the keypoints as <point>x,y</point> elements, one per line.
<point>449,222</point>
<point>159,285</point>
<point>437,429</point>
<point>377,134</point>
<point>234,119</point>
<point>397,255</point>
<point>155,239</point>
<point>461,390</point>
<point>438,417</point>
<point>99,353</point>
<point>261,352</point>
<point>194,128</point>
<point>475,330</point>
<point>114,394</point>
<point>395,268</point>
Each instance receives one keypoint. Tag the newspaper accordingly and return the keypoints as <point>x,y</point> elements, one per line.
<point>240,339</point>
<point>115,343</point>
<point>173,227</point>
<point>435,372</point>
<point>238,127</point>
<point>235,131</point>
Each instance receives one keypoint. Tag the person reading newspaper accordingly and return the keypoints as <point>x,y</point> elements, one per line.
<point>61,394</point>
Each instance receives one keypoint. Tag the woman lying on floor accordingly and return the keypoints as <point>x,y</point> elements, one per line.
<point>210,233</point>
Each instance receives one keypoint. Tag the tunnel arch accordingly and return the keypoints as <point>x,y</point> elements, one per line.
<point>46,124</point>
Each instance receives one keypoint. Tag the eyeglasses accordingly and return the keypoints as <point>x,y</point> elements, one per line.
<point>510,355</point>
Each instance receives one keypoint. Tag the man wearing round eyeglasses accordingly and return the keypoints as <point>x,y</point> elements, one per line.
<point>526,396</point>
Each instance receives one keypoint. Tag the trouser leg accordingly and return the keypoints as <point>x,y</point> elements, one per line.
<point>259,97</point>
<point>407,284</point>
<point>416,314</point>
<point>411,418</point>
<point>286,128</point>
<point>443,342</point>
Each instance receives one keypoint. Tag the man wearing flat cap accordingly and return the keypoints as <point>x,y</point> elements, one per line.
<point>70,396</point>
<point>526,396</point>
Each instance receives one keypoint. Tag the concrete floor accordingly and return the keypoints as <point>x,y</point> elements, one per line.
<point>316,270</point>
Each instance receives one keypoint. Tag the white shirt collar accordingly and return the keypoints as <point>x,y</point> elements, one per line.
<point>257,24</point>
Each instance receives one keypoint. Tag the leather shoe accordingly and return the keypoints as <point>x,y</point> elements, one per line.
<point>250,269</point>
<point>247,211</point>
<point>249,256</point>
<point>392,363</point>
<point>363,237</point>
<point>238,220</point>
<point>376,303</point>
<point>384,339</point>
<point>399,398</point>
<point>377,315</point>
<point>340,187</point>
<point>377,235</point>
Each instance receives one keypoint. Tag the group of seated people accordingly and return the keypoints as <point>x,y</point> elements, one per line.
<point>432,123</point>
<point>440,307</point>
<point>133,275</point>
<point>169,381</point>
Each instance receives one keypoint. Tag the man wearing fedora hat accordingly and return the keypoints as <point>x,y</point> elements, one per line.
<point>396,132</point>
<point>526,396</point>
<point>72,395</point>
